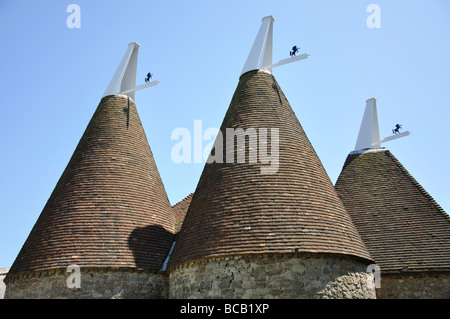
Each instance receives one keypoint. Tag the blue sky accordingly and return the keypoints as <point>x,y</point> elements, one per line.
<point>53,78</point>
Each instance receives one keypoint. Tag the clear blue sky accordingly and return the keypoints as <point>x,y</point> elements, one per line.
<point>52,79</point>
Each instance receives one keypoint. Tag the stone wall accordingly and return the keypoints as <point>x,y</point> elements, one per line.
<point>94,283</point>
<point>417,286</point>
<point>246,276</point>
<point>3,272</point>
<point>272,276</point>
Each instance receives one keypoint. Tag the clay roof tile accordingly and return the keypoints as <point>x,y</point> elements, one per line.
<point>237,209</point>
<point>109,208</point>
<point>403,227</point>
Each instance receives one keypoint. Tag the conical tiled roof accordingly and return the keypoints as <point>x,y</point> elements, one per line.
<point>109,208</point>
<point>180,210</point>
<point>404,229</point>
<point>236,209</point>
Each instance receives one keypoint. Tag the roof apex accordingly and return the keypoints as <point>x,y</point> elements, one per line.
<point>260,56</point>
<point>124,79</point>
<point>369,132</point>
<point>239,208</point>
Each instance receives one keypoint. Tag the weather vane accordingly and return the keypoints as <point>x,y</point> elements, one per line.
<point>369,134</point>
<point>124,79</point>
<point>260,57</point>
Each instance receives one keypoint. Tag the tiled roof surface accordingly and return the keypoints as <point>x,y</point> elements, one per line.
<point>404,229</point>
<point>180,210</point>
<point>109,208</point>
<point>237,210</point>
